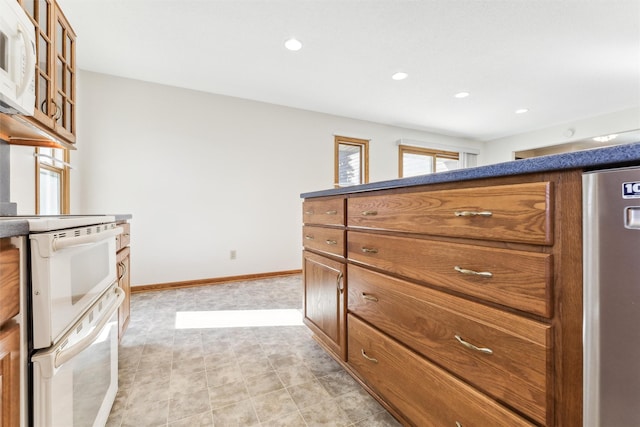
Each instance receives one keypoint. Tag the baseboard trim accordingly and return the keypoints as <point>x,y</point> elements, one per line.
<point>212,281</point>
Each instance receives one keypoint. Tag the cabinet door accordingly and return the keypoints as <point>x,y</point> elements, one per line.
<point>65,76</point>
<point>10,375</point>
<point>124,282</point>
<point>9,280</point>
<point>324,301</point>
<point>41,13</point>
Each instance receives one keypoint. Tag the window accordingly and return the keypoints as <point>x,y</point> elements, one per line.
<point>52,183</point>
<point>420,161</point>
<point>351,161</point>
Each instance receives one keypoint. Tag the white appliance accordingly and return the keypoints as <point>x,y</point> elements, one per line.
<point>17,60</point>
<point>611,353</point>
<point>73,312</point>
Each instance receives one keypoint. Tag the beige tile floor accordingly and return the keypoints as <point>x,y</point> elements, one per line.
<point>204,374</point>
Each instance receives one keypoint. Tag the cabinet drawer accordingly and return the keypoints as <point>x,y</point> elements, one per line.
<point>422,392</point>
<point>329,240</point>
<point>510,362</point>
<point>323,211</point>
<point>517,279</point>
<point>510,213</point>
<point>9,280</point>
<point>124,239</point>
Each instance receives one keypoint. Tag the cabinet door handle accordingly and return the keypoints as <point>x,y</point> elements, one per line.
<point>369,213</point>
<point>473,213</point>
<point>472,273</point>
<point>309,237</point>
<point>331,212</point>
<point>331,242</point>
<point>370,359</point>
<point>58,112</point>
<point>369,297</point>
<point>339,283</point>
<point>369,250</point>
<point>458,424</point>
<point>124,270</point>
<point>473,347</point>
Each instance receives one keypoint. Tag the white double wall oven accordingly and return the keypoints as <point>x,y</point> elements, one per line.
<point>73,301</point>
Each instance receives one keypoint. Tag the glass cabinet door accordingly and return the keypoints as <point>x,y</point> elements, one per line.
<point>64,58</point>
<point>40,12</point>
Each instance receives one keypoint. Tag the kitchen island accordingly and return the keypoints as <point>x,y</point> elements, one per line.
<point>456,298</point>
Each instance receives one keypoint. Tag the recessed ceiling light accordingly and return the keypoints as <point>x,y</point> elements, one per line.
<point>293,44</point>
<point>605,138</point>
<point>400,76</point>
<point>461,94</point>
<point>522,111</point>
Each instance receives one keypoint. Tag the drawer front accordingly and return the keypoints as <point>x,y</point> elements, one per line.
<point>500,353</point>
<point>123,239</point>
<point>517,279</point>
<point>424,393</point>
<point>329,240</point>
<point>9,280</point>
<point>323,211</point>
<point>509,213</point>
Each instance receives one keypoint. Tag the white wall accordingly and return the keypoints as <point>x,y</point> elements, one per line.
<point>204,174</point>
<point>502,150</point>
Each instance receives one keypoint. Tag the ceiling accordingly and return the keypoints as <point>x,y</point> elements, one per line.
<point>563,60</point>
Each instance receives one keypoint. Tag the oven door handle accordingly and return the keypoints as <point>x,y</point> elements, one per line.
<point>67,354</point>
<point>68,242</point>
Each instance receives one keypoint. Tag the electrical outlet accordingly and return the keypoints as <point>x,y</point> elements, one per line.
<point>232,254</point>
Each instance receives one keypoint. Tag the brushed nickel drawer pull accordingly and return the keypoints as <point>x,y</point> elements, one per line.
<point>309,237</point>
<point>458,424</point>
<point>331,212</point>
<point>370,250</point>
<point>473,213</point>
<point>369,297</point>
<point>473,347</point>
<point>370,213</point>
<point>339,283</point>
<point>473,273</point>
<point>331,242</point>
<point>310,212</point>
<point>370,359</point>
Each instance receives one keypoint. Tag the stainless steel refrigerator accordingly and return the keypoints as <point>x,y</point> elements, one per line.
<point>611,357</point>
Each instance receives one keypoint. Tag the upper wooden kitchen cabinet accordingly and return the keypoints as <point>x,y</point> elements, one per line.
<point>55,109</point>
<point>324,270</point>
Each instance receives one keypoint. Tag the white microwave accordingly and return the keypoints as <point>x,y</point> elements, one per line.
<point>17,60</point>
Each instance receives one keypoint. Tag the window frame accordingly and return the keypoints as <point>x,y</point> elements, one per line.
<point>363,144</point>
<point>62,171</point>
<point>431,152</point>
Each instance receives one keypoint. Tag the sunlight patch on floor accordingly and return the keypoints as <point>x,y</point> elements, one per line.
<point>237,318</point>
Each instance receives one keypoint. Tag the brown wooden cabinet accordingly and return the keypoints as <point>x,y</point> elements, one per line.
<point>54,119</point>
<point>10,388</point>
<point>465,299</point>
<point>324,273</point>
<point>123,264</point>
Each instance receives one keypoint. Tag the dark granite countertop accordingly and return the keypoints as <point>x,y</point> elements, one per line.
<point>16,226</point>
<point>599,158</point>
<point>13,227</point>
